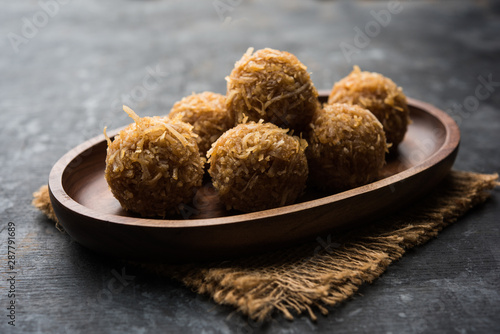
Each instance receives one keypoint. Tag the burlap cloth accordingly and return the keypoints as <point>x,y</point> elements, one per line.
<point>329,270</point>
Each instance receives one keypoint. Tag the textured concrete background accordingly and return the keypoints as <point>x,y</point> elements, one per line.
<point>67,66</point>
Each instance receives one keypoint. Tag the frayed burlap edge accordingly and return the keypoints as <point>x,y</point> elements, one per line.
<point>41,201</point>
<point>325,272</point>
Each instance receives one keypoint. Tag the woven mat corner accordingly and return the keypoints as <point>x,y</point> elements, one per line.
<point>320,274</point>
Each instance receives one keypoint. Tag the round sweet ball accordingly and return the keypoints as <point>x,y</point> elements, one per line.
<point>207,113</point>
<point>347,147</point>
<point>258,166</point>
<point>381,96</point>
<point>273,86</point>
<point>153,165</point>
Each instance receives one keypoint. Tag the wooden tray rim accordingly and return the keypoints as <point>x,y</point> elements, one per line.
<point>56,188</point>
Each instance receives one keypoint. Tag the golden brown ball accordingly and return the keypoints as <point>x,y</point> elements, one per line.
<point>347,147</point>
<point>258,166</point>
<point>273,86</point>
<point>153,165</point>
<point>381,96</point>
<point>207,113</point>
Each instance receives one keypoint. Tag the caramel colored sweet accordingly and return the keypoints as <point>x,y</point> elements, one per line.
<point>258,166</point>
<point>273,86</point>
<point>347,147</point>
<point>207,113</point>
<point>153,165</point>
<point>378,94</point>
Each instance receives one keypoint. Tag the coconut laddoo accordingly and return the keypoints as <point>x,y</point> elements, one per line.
<point>153,165</point>
<point>347,147</point>
<point>258,166</point>
<point>207,113</point>
<point>381,96</point>
<point>273,86</point>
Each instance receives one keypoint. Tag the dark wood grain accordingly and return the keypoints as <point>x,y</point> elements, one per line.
<point>205,230</point>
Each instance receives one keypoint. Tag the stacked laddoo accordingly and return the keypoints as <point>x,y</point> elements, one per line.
<point>153,165</point>
<point>253,139</point>
<point>258,166</point>
<point>208,115</point>
<point>273,86</point>
<point>380,95</point>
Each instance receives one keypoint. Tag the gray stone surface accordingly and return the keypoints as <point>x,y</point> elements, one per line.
<point>66,77</point>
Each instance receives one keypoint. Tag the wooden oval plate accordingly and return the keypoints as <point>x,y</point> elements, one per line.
<point>206,231</point>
